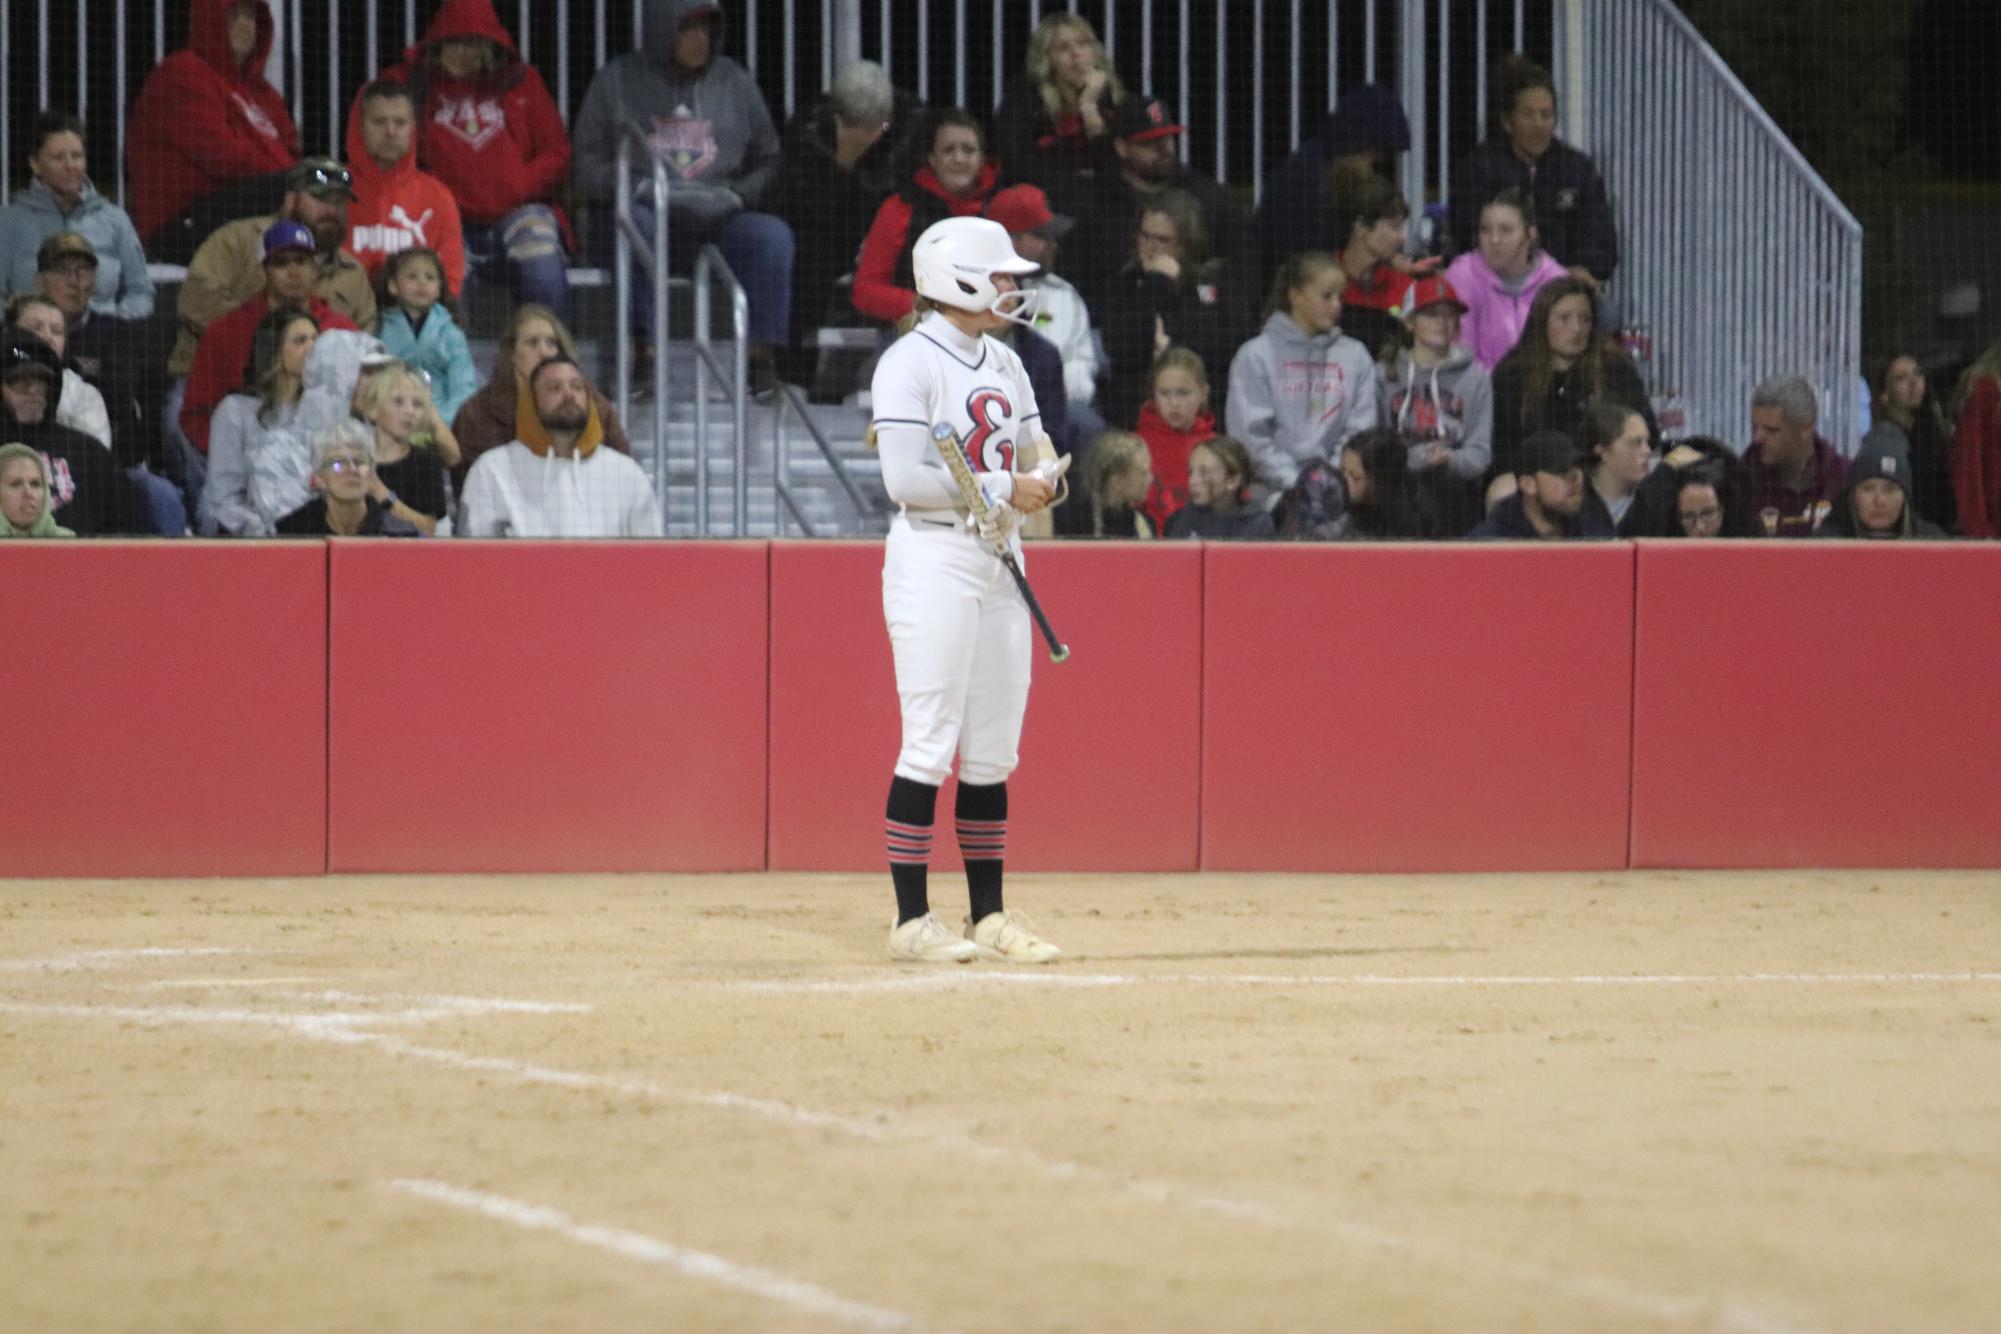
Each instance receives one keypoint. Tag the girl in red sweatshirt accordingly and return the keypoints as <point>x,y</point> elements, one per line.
<point>1174,419</point>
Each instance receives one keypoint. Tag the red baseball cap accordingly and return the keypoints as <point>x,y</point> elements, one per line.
<point>1025,208</point>
<point>1144,118</point>
<point>1428,292</point>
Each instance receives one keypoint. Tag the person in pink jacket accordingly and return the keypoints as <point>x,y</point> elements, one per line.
<point>1498,282</point>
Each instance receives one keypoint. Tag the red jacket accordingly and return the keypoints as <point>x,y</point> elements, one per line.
<point>884,288</point>
<point>1977,460</point>
<point>222,362</point>
<point>1170,449</point>
<point>497,142</point>
<point>202,123</point>
<point>398,207</point>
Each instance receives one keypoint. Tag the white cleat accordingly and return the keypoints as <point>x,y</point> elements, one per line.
<point>1004,937</point>
<point>927,940</point>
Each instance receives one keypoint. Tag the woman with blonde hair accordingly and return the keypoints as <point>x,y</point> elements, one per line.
<point>256,418</point>
<point>1050,129</point>
<point>409,479</point>
<point>24,495</point>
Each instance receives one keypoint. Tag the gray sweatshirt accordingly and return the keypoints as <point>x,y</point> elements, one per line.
<point>1294,399</point>
<point>711,127</point>
<point>1450,404</point>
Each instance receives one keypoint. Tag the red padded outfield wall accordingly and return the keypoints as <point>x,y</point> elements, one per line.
<point>166,709</point>
<point>1825,704</point>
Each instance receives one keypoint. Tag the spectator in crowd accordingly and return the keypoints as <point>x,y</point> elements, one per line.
<point>222,361</point>
<point>1902,398</point>
<point>1796,476</point>
<point>1367,129</point>
<point>344,502</point>
<point>62,199</point>
<point>1625,493</point>
<point>842,156</point>
<point>502,410</point>
<point>1524,154</point>
<point>557,479</point>
<point>1499,280</point>
<point>1173,421</point>
<point>1712,496</point>
<point>1171,291</point>
<point>1548,493</point>
<point>397,205</point>
<point>88,492</point>
<point>1302,388</point>
<point>1374,214</point>
<point>1053,127</point>
<point>489,130</point>
<point>956,181</point>
<point>1118,475</point>
<point>1976,440</point>
<point>1876,500</point>
<point>1383,505</point>
<point>1440,403</point>
<point>711,127</point>
<point>1144,135</point>
<point>82,405</point>
<point>337,368</point>
<point>211,139</point>
<point>249,423</point>
<point>1059,313</point>
<point>25,510</point>
<point>412,449</point>
<point>1561,367</point>
<point>1219,478</point>
<point>418,329</point>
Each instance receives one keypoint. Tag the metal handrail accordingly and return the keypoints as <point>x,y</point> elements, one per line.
<point>629,235</point>
<point>791,399</point>
<point>737,378</point>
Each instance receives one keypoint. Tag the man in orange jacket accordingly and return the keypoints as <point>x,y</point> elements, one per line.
<point>397,205</point>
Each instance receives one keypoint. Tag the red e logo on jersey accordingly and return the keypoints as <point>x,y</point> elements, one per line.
<point>989,410</point>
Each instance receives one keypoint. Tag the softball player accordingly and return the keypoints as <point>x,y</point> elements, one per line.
<point>957,626</point>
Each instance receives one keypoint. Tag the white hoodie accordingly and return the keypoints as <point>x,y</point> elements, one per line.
<point>514,492</point>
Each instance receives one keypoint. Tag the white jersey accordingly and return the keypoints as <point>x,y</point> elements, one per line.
<point>514,492</point>
<point>935,374</point>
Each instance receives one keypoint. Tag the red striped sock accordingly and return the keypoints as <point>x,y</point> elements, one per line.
<point>983,840</point>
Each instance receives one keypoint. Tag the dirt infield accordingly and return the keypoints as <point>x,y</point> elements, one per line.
<point>1647,1101</point>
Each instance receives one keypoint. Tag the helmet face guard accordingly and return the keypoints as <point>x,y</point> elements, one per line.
<point>954,263</point>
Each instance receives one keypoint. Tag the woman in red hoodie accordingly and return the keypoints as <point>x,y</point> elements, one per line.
<point>211,139</point>
<point>956,181</point>
<point>487,128</point>
<point>1174,420</point>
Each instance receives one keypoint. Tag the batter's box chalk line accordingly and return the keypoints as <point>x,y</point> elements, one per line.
<point>973,976</point>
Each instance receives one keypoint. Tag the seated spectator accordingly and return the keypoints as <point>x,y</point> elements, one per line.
<point>502,410</point>
<point>222,361</point>
<point>557,480</point>
<point>1976,439</point>
<point>1059,314</point>
<point>1561,367</point>
<point>62,199</point>
<point>1711,496</point>
<point>1117,477</point>
<point>1171,291</point>
<point>1173,421</point>
<point>1052,127</point>
<point>1440,403</point>
<point>1548,491</point>
<point>956,181</point>
<point>1366,129</point>
<point>397,205</point>
<point>1796,476</point>
<point>488,129</point>
<point>24,495</point>
<point>1524,154</point>
<point>1625,493</point>
<point>345,500</point>
<point>88,492</point>
<point>714,133</point>
<point>1499,280</point>
<point>1383,505</point>
<point>842,156</point>
<point>82,406</point>
<point>1145,166</point>
<point>1302,388</point>
<point>418,329</point>
<point>337,369</point>
<point>412,449</point>
<point>1219,479</point>
<point>1875,503</point>
<point>211,139</point>
<point>1375,216</point>
<point>1903,398</point>
<point>251,424</point>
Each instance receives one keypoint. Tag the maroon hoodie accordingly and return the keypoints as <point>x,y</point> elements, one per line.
<point>203,122</point>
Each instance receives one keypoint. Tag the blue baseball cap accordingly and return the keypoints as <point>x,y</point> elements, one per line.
<point>286,234</point>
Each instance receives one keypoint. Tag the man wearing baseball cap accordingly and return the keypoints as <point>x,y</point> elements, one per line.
<point>1147,138</point>
<point>1060,314</point>
<point>1549,492</point>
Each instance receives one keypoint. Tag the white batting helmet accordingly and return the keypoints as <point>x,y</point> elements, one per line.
<point>954,263</point>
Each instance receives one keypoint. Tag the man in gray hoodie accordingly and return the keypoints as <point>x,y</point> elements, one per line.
<point>709,124</point>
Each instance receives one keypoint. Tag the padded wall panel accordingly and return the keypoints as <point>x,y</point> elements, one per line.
<point>558,706</point>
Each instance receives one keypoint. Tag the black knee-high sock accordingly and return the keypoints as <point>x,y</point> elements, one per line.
<point>907,831</point>
<point>981,814</point>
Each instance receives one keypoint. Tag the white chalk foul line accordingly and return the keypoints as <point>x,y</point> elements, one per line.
<point>958,978</point>
<point>766,1284</point>
<point>82,959</point>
